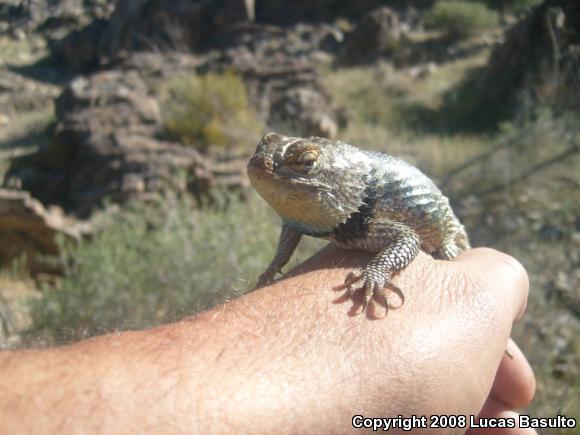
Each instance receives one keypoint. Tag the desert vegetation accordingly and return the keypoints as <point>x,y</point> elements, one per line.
<point>461,19</point>
<point>211,109</point>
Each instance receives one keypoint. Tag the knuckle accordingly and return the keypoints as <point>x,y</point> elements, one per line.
<point>498,280</point>
<point>517,269</point>
<point>508,264</point>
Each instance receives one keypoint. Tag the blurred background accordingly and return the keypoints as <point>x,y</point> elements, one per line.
<point>125,127</point>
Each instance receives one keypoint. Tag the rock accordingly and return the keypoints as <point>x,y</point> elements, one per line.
<point>233,12</point>
<point>331,41</point>
<point>423,70</point>
<point>194,25</point>
<point>182,25</point>
<point>283,12</point>
<point>18,93</point>
<point>80,49</point>
<point>150,25</point>
<point>52,19</point>
<point>304,110</point>
<point>28,229</point>
<point>377,35</point>
<point>158,68</point>
<point>116,100</point>
<point>282,80</point>
<point>106,147</point>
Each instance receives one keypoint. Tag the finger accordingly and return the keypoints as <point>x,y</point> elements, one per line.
<point>493,409</point>
<point>509,278</point>
<point>514,384</point>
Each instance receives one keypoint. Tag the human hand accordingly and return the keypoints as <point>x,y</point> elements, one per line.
<point>290,358</point>
<point>446,343</point>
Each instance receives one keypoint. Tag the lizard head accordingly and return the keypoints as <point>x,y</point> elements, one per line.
<point>313,184</point>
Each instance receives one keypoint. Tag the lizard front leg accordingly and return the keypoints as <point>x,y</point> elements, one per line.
<point>287,243</point>
<point>401,245</point>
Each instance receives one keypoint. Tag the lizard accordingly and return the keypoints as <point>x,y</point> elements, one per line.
<point>359,200</point>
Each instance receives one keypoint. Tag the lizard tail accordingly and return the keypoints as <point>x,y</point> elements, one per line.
<point>455,244</point>
<point>462,240</point>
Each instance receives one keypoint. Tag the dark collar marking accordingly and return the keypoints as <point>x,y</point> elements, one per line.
<point>357,225</point>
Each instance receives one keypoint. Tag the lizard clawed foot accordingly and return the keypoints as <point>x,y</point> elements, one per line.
<point>267,277</point>
<point>372,283</point>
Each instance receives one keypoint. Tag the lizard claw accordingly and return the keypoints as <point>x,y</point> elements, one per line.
<point>372,283</point>
<point>266,278</point>
<point>369,291</point>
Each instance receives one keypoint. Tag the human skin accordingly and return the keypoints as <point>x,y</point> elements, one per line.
<point>294,357</point>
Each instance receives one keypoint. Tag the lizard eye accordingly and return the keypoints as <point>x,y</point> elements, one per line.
<point>305,161</point>
<point>308,158</point>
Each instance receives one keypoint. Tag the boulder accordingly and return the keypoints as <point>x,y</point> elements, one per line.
<point>153,25</point>
<point>106,146</point>
<point>18,93</point>
<point>182,25</point>
<point>29,229</point>
<point>104,103</point>
<point>377,35</point>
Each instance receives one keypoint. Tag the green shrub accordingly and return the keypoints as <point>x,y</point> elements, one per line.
<point>461,18</point>
<point>154,266</point>
<point>212,109</point>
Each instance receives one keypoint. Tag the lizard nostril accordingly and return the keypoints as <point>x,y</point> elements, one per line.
<point>261,162</point>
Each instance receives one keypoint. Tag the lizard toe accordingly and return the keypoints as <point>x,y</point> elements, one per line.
<point>371,282</point>
<point>369,291</point>
<point>381,295</point>
<point>352,278</point>
<point>349,290</point>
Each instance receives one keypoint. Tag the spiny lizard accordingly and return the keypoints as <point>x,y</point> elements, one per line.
<point>358,199</point>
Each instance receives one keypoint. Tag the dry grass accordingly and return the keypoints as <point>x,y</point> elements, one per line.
<point>155,265</point>
<point>16,290</point>
<point>381,101</point>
